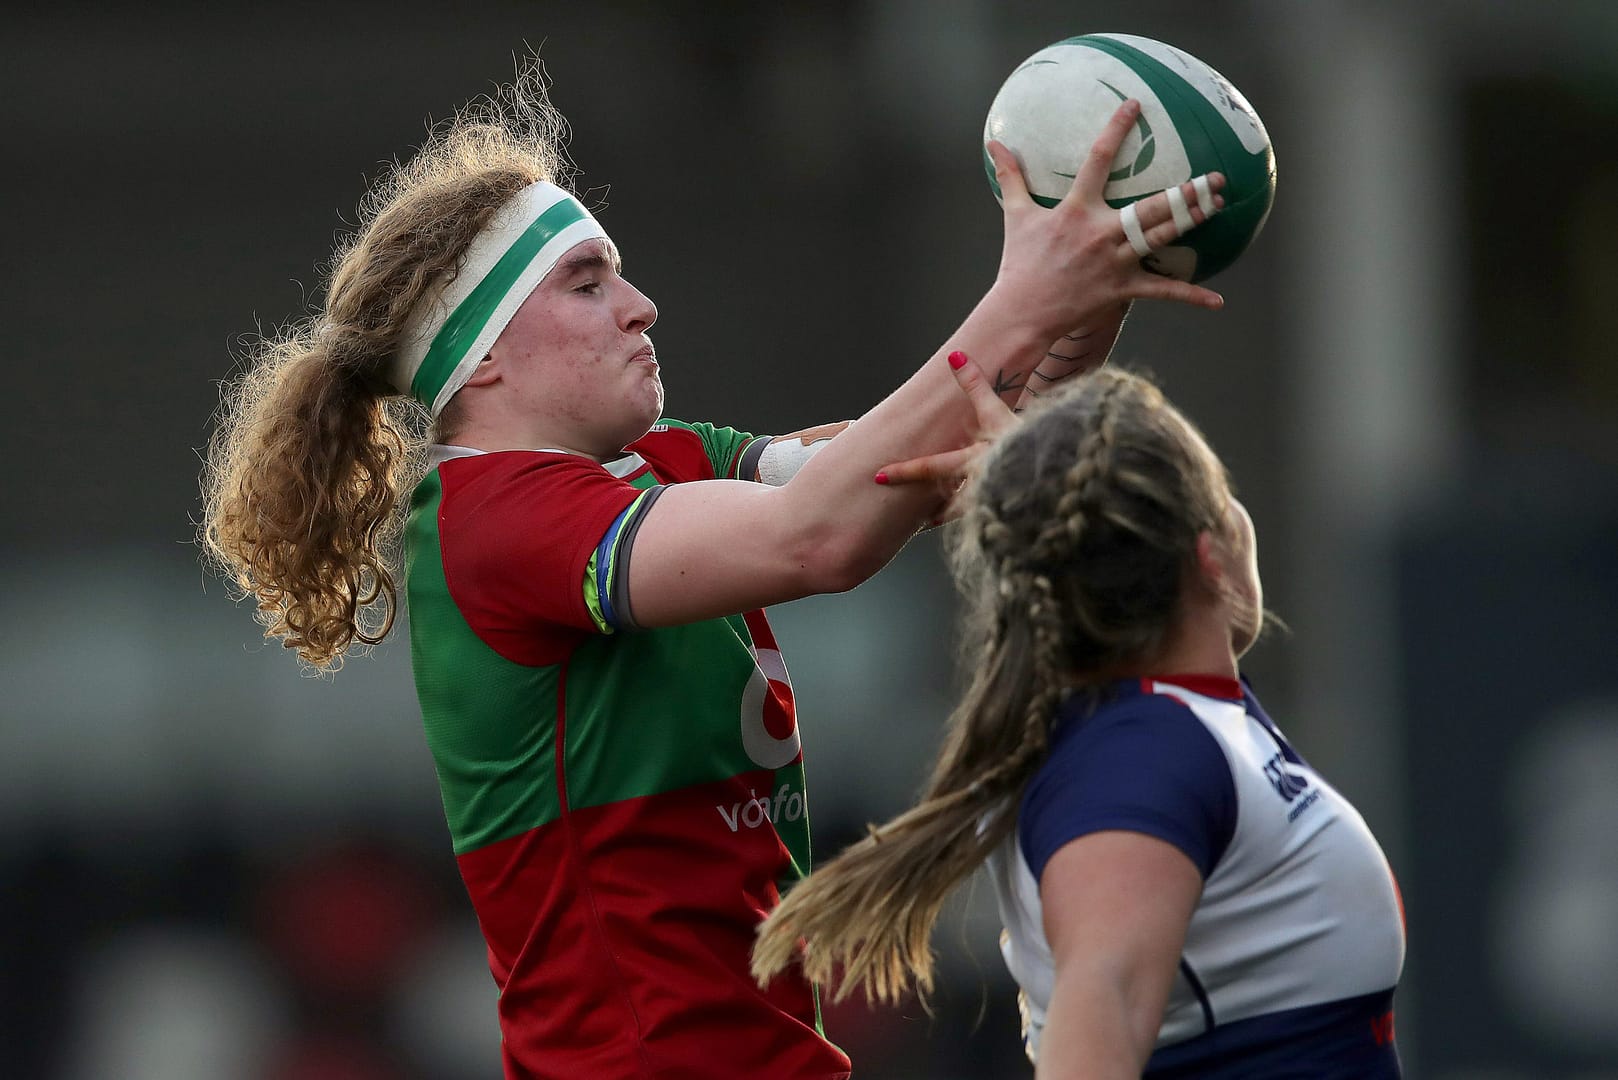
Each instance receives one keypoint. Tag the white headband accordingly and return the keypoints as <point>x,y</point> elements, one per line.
<point>450,333</point>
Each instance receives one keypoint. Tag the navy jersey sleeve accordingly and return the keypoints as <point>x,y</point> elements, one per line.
<point>1147,765</point>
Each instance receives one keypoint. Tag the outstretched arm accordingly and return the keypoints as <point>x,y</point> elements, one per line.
<point>1074,353</point>
<point>830,527</point>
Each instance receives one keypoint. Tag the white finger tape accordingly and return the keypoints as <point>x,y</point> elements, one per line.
<point>1132,230</point>
<point>1183,222</point>
<point>1204,196</point>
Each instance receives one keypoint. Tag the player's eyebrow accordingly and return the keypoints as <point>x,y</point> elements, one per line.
<point>594,257</point>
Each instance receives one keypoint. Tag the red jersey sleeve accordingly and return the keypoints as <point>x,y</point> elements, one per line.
<point>516,532</point>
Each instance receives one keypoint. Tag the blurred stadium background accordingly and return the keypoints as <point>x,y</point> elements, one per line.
<point>215,868</point>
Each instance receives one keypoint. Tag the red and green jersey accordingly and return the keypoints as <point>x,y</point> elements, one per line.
<point>625,804</point>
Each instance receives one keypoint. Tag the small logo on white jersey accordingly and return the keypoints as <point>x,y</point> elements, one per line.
<point>1308,801</point>
<point>1287,784</point>
<point>756,809</point>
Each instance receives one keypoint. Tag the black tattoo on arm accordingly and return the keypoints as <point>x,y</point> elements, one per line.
<point>1066,359</point>
<point>1004,384</point>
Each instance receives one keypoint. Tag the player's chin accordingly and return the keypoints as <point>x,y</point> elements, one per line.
<point>649,401</point>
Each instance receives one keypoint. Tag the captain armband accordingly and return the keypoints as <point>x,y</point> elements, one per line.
<point>606,574</point>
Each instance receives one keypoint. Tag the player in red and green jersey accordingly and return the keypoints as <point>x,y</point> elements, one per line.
<point>625,804</point>
<point>609,716</point>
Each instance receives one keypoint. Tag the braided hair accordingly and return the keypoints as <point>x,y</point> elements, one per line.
<point>1071,555</point>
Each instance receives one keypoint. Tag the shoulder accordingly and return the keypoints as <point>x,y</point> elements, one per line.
<point>501,466</point>
<point>470,483</point>
<point>520,473</point>
<point>676,452</point>
<point>510,502</point>
<point>1133,760</point>
<point>515,533</point>
<point>680,450</point>
<point>1127,717</point>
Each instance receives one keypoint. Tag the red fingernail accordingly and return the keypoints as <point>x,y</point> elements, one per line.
<point>957,360</point>
<point>881,478</point>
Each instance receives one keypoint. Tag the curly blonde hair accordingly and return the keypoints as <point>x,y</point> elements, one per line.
<point>312,448</point>
<point>1070,557</point>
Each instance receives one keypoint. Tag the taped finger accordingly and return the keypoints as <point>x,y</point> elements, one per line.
<point>1205,201</point>
<point>1129,217</point>
<point>1183,221</point>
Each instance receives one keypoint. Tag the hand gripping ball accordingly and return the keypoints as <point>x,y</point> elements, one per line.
<point>1192,121</point>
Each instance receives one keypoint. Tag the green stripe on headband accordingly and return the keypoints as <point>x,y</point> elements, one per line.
<point>469,318</point>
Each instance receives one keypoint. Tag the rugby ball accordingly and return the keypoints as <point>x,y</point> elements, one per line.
<point>1192,121</point>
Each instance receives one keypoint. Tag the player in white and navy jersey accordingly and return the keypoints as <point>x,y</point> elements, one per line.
<point>1297,939</point>
<point>1183,896</point>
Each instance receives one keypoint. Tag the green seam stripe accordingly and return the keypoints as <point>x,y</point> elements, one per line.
<point>1249,177</point>
<point>1194,118</point>
<point>469,318</point>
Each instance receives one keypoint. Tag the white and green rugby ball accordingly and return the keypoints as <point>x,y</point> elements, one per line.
<point>1192,121</point>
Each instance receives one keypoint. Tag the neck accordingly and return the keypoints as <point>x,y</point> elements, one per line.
<point>493,441</point>
<point>481,431</point>
<point>1198,643</point>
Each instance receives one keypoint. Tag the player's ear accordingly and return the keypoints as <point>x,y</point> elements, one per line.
<point>1210,561</point>
<point>487,371</point>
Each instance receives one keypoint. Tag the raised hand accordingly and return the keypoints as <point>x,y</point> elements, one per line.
<point>1068,265</point>
<point>949,470</point>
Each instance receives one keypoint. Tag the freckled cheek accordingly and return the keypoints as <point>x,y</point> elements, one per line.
<point>581,391</point>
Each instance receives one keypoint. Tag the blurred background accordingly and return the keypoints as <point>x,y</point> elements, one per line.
<point>213,866</point>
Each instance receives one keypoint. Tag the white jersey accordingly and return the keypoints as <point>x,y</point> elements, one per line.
<point>1297,942</point>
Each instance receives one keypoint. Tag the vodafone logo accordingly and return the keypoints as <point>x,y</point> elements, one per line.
<point>769,726</point>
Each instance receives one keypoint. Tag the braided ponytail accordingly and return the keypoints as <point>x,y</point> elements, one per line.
<point>869,913</point>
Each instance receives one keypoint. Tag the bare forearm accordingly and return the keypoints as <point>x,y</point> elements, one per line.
<point>1092,1033</point>
<point>831,526</point>
<point>1082,349</point>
